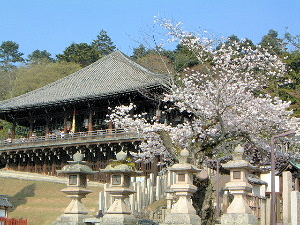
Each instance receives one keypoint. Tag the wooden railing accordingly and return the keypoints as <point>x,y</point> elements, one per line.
<point>255,203</point>
<point>68,138</point>
<point>60,136</point>
<point>12,221</point>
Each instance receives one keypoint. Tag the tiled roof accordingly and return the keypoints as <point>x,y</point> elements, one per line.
<point>112,74</point>
<point>253,179</point>
<point>4,202</point>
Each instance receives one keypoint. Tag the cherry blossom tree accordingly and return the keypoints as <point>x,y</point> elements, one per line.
<point>221,105</point>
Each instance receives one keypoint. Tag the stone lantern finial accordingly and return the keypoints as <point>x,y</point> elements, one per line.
<point>78,157</point>
<point>184,154</point>
<point>121,156</point>
<point>238,153</point>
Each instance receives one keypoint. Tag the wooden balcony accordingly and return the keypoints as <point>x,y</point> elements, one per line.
<point>64,140</point>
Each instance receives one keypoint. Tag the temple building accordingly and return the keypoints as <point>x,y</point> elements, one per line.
<point>71,114</point>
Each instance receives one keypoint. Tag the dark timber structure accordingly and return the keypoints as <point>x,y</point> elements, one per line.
<point>71,114</point>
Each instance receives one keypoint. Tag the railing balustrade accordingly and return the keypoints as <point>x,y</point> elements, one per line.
<point>65,136</point>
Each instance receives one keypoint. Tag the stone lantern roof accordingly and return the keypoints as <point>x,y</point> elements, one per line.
<point>121,165</point>
<point>76,166</point>
<point>239,160</point>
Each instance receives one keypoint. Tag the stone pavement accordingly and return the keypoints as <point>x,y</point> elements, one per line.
<point>39,177</point>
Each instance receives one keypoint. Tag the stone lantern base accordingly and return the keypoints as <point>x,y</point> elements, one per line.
<point>181,218</point>
<point>119,219</point>
<point>239,219</point>
<point>71,219</point>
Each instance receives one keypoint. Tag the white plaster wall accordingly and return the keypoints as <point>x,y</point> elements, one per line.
<point>267,178</point>
<point>2,213</point>
<point>256,189</point>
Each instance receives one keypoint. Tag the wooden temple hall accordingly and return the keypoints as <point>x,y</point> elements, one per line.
<point>71,114</point>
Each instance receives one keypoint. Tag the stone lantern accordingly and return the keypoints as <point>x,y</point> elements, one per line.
<point>239,211</point>
<point>120,172</point>
<point>77,171</point>
<point>183,211</point>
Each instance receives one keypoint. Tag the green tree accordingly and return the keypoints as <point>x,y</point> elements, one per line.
<point>231,40</point>
<point>5,83</point>
<point>83,54</point>
<point>184,58</point>
<point>104,43</point>
<point>5,128</point>
<point>294,40</point>
<point>291,90</point>
<point>157,63</point>
<point>39,56</point>
<point>29,78</point>
<point>139,52</point>
<point>274,44</point>
<point>9,55</point>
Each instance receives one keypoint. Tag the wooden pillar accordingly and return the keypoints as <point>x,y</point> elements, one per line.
<point>65,122</point>
<point>13,130</point>
<point>90,121</point>
<point>110,127</point>
<point>47,129</point>
<point>45,168</point>
<point>53,169</point>
<point>30,128</point>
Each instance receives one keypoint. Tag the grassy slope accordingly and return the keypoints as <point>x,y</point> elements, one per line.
<point>41,202</point>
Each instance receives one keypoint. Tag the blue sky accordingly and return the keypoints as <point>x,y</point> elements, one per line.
<point>54,24</point>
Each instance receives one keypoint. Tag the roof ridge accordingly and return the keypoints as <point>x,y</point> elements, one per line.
<point>134,63</point>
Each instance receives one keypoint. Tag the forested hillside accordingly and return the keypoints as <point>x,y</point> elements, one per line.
<point>20,74</point>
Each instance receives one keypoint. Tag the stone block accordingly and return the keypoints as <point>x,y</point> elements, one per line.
<point>71,219</point>
<point>181,219</point>
<point>118,219</point>
<point>238,219</point>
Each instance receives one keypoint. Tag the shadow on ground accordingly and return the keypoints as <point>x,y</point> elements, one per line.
<point>20,198</point>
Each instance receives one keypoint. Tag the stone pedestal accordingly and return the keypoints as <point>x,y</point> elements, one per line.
<point>238,219</point>
<point>183,211</point>
<point>71,219</point>
<point>119,219</point>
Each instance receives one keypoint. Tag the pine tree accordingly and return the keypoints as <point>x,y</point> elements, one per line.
<point>104,43</point>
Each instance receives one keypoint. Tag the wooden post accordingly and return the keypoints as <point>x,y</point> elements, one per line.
<point>65,123</point>
<point>90,121</point>
<point>30,128</point>
<point>13,130</point>
<point>53,169</point>
<point>47,129</point>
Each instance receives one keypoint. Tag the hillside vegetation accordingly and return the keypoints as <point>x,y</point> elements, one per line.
<point>42,202</point>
